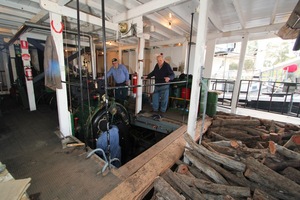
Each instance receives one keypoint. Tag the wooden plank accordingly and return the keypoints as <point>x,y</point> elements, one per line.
<point>134,186</point>
<point>135,164</point>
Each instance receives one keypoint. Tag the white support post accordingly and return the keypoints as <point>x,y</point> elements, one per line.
<point>209,58</point>
<point>239,74</point>
<point>5,65</point>
<point>185,50</point>
<point>26,62</point>
<point>61,94</point>
<point>12,54</point>
<point>93,59</point>
<point>140,71</point>
<point>198,62</point>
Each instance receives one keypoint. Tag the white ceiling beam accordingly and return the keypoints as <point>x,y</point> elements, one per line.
<point>63,2</point>
<point>262,29</point>
<point>167,42</point>
<point>40,16</point>
<point>9,11</point>
<point>6,31</point>
<point>213,17</point>
<point>162,21</point>
<point>12,18</point>
<point>66,11</point>
<point>157,37</point>
<point>239,13</point>
<point>273,15</point>
<point>10,24</point>
<point>183,16</point>
<point>23,7</point>
<point>128,3</point>
<point>97,5</point>
<point>144,9</point>
<point>160,32</point>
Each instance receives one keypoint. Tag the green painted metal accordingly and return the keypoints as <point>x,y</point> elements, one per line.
<point>212,100</point>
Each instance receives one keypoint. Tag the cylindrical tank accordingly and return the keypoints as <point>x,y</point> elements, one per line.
<point>202,95</point>
<point>212,100</point>
<point>185,93</point>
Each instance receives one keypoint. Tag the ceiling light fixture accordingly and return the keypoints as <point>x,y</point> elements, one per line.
<point>170,21</point>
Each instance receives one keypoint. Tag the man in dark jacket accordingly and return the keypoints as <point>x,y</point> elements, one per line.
<point>163,74</point>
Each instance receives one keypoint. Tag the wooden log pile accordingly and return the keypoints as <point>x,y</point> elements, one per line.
<point>239,158</point>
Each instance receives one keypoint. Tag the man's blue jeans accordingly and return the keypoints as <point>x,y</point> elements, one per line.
<point>121,93</point>
<point>160,94</point>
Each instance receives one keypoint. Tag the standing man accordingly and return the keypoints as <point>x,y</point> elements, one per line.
<point>163,74</point>
<point>121,77</point>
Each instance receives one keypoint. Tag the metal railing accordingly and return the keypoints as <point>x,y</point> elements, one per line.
<point>269,96</point>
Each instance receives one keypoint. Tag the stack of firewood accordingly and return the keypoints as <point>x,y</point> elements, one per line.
<point>239,158</point>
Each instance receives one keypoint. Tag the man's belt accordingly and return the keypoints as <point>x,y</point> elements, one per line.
<point>121,84</point>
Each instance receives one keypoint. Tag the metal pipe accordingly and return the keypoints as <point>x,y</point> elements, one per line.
<point>28,25</point>
<point>80,65</point>
<point>157,84</point>
<point>105,77</point>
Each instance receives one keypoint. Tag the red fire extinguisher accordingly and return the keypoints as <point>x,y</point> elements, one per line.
<point>134,82</point>
<point>28,73</point>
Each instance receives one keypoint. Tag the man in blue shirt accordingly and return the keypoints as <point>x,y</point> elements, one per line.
<point>163,74</point>
<point>115,149</point>
<point>121,77</point>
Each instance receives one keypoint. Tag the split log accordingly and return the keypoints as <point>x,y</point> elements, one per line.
<point>267,186</point>
<point>236,134</point>
<point>172,184</point>
<point>272,126</point>
<point>190,192</point>
<point>293,142</point>
<point>261,195</point>
<point>218,197</point>
<point>275,137</point>
<point>279,166</point>
<point>197,173</point>
<point>239,122</point>
<point>184,169</point>
<point>221,149</point>
<point>255,132</point>
<point>235,191</point>
<point>232,117</point>
<point>239,180</point>
<point>166,190</point>
<point>280,124</point>
<point>228,130</point>
<point>230,143</point>
<point>214,156</point>
<point>288,134</point>
<point>217,136</point>
<point>286,152</point>
<point>292,127</point>
<point>206,169</point>
<point>275,180</point>
<point>266,189</point>
<point>292,174</point>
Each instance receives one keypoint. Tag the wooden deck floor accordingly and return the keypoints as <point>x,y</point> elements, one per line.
<point>30,148</point>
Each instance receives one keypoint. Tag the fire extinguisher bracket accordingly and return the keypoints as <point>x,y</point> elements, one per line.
<point>28,73</point>
<point>134,82</point>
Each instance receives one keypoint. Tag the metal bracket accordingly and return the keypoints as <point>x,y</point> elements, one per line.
<point>107,163</point>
